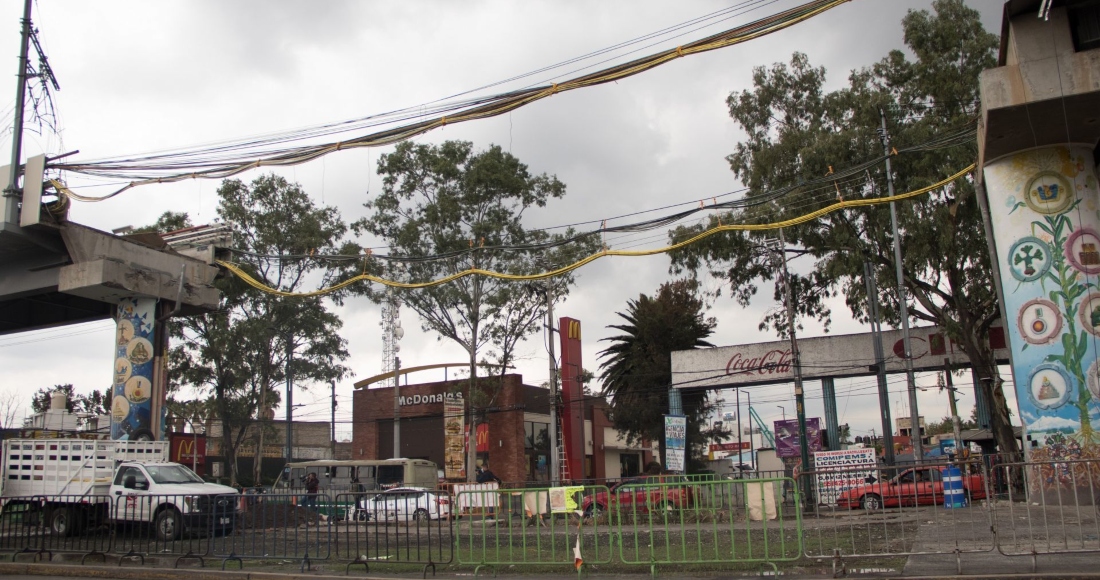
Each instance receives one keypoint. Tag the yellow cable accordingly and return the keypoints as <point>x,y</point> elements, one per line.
<point>237,271</point>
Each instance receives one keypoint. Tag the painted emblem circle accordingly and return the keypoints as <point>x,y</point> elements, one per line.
<point>124,332</point>
<point>139,351</point>
<point>138,390</point>
<point>1039,321</point>
<point>1048,386</point>
<point>1083,250</point>
<point>123,370</point>
<point>1049,192</point>
<point>1089,313</point>
<point>1029,259</point>
<point>120,408</point>
<point>1092,379</point>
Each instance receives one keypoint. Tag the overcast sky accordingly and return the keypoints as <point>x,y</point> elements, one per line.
<point>138,77</point>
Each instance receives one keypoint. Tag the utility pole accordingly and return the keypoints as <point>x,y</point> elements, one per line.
<point>11,194</point>
<point>397,408</point>
<point>289,406</point>
<point>956,425</point>
<point>333,420</point>
<point>914,415</point>
<point>796,360</point>
<point>555,467</point>
<point>880,363</point>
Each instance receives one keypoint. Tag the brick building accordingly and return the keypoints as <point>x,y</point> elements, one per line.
<point>517,443</point>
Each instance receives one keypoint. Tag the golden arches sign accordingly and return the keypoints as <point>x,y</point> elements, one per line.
<point>574,330</point>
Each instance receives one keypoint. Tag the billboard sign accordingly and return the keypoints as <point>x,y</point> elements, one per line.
<point>839,471</point>
<point>787,440</point>
<point>675,442</point>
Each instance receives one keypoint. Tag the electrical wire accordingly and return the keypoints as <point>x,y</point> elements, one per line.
<point>251,281</point>
<point>200,163</point>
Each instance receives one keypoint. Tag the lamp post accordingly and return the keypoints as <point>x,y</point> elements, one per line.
<point>784,411</point>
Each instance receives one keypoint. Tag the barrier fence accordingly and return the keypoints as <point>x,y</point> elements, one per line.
<point>864,512</point>
<point>1016,508</point>
<point>532,526</point>
<point>1049,507</point>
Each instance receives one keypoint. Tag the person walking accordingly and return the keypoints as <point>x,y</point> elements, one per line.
<point>312,485</point>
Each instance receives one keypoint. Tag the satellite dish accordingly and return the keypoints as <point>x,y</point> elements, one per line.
<point>399,332</point>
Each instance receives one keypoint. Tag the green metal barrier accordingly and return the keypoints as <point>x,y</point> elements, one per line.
<point>684,522</point>
<point>545,526</point>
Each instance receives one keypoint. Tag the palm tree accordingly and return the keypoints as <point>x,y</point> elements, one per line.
<point>636,368</point>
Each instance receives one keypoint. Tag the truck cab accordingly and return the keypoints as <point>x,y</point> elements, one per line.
<point>172,498</point>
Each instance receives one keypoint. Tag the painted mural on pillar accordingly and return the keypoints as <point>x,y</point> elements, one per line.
<point>132,392</point>
<point>1046,219</point>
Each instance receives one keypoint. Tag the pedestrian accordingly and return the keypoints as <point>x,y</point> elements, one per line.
<point>312,484</point>
<point>486,475</point>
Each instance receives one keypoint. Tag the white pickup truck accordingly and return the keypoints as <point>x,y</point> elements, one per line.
<point>72,482</point>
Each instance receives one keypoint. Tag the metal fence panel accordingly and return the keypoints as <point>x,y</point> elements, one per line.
<point>872,511</point>
<point>525,526</point>
<point>180,525</point>
<point>279,526</point>
<point>1049,507</point>
<point>398,526</point>
<point>673,522</point>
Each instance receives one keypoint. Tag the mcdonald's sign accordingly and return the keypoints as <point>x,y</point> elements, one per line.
<point>187,449</point>
<point>573,329</point>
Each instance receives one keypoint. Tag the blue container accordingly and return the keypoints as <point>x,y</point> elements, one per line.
<point>954,496</point>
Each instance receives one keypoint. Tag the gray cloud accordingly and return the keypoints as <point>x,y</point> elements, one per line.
<point>139,77</point>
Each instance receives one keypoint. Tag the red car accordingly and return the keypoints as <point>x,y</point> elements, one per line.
<point>923,486</point>
<point>641,495</point>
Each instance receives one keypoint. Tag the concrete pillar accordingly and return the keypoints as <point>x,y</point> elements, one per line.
<point>1045,210</point>
<point>133,393</point>
<point>832,427</point>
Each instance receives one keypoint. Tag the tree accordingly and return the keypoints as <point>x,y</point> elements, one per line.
<point>636,369</point>
<point>239,354</point>
<point>797,133</point>
<point>446,200</point>
<point>10,406</point>
<point>94,403</point>
<point>168,221</point>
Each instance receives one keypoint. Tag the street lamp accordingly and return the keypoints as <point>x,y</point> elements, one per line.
<point>784,411</point>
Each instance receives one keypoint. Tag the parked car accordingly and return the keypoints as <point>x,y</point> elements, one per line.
<point>404,504</point>
<point>919,486</point>
<point>641,495</point>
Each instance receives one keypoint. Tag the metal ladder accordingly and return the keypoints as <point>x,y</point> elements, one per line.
<point>563,464</point>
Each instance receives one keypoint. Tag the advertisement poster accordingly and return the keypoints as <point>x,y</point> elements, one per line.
<point>132,392</point>
<point>454,435</point>
<point>786,437</point>
<point>675,441</point>
<point>839,471</point>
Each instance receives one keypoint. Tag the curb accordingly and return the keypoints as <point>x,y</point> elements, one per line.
<point>123,573</point>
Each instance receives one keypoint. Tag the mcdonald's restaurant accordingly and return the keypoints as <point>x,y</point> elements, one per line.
<point>513,438</point>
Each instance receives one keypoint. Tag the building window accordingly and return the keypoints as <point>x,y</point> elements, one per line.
<point>536,435</point>
<point>630,464</point>
<point>1084,23</point>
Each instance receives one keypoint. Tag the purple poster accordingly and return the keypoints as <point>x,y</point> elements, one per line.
<point>786,437</point>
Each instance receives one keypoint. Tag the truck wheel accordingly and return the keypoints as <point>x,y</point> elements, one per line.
<point>871,502</point>
<point>167,525</point>
<point>61,522</point>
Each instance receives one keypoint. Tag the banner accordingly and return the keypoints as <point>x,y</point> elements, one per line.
<point>786,437</point>
<point>132,391</point>
<point>839,471</point>
<point>675,441</point>
<point>454,435</point>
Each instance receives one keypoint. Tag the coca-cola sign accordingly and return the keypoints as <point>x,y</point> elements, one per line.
<point>773,362</point>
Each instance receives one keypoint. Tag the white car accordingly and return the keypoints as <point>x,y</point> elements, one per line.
<point>404,504</point>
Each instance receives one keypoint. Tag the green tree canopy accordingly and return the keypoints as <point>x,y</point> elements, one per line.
<point>798,132</point>
<point>636,368</point>
<point>448,200</point>
<point>241,354</point>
